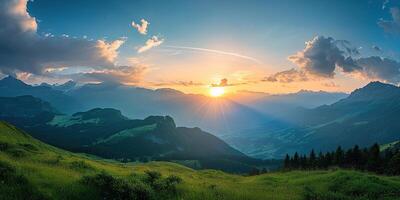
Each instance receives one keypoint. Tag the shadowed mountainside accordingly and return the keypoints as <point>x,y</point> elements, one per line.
<point>107,133</point>
<point>368,115</point>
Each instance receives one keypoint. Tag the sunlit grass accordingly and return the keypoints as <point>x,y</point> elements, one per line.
<point>57,174</point>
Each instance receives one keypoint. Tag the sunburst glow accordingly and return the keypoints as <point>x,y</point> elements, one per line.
<point>217,91</point>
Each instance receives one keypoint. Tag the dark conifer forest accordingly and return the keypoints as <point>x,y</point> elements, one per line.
<point>370,159</point>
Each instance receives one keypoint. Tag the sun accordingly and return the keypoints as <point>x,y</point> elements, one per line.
<point>217,91</point>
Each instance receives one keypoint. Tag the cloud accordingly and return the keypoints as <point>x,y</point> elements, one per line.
<point>109,51</point>
<point>393,25</point>
<point>141,28</point>
<point>348,48</point>
<point>214,51</point>
<point>130,75</point>
<point>287,76</point>
<point>384,4</point>
<point>24,50</point>
<point>376,48</point>
<point>222,83</point>
<point>321,56</point>
<point>375,67</point>
<point>15,11</point>
<point>150,43</point>
<point>178,83</point>
<point>330,84</point>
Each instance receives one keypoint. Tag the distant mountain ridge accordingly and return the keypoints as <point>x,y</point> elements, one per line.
<point>69,85</point>
<point>12,87</point>
<point>220,116</point>
<point>368,115</point>
<point>107,133</point>
<point>267,126</point>
<point>375,91</point>
<point>26,110</point>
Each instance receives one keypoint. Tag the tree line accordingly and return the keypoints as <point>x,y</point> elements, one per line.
<point>367,159</point>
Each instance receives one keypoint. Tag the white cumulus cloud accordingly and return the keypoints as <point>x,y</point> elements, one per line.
<point>150,43</point>
<point>141,28</point>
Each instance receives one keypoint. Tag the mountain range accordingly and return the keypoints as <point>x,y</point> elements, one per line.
<point>107,133</point>
<point>368,115</point>
<point>220,116</point>
<point>257,124</point>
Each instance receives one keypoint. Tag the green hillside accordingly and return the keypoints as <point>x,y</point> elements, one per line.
<point>30,169</point>
<point>107,133</point>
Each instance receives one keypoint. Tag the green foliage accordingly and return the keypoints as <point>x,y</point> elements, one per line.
<point>152,176</point>
<point>17,153</point>
<point>393,166</point>
<point>80,165</point>
<point>15,186</point>
<point>151,186</point>
<point>117,189</point>
<point>4,146</point>
<point>165,186</point>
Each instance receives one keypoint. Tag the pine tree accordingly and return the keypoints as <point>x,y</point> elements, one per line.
<point>394,164</point>
<point>303,162</point>
<point>312,159</point>
<point>374,159</point>
<point>357,156</point>
<point>321,160</point>
<point>264,170</point>
<point>296,161</point>
<point>287,163</point>
<point>338,157</point>
<point>329,159</point>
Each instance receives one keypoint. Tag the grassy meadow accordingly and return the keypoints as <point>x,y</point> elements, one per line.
<point>34,170</point>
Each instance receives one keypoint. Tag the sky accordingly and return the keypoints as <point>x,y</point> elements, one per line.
<point>263,46</point>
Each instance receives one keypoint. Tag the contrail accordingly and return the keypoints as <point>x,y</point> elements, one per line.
<point>214,51</point>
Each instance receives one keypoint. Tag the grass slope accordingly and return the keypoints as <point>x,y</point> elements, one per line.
<point>34,170</point>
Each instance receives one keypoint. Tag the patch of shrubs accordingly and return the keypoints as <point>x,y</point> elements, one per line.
<point>148,187</point>
<point>80,165</point>
<point>29,147</point>
<point>4,146</point>
<point>350,186</point>
<point>110,187</point>
<point>311,194</point>
<point>164,186</point>
<point>17,153</point>
<point>15,186</point>
<point>54,161</point>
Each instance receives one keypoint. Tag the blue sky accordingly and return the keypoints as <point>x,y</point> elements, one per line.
<point>217,37</point>
<point>260,28</point>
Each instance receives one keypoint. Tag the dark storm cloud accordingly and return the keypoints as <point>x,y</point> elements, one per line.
<point>322,56</point>
<point>375,67</point>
